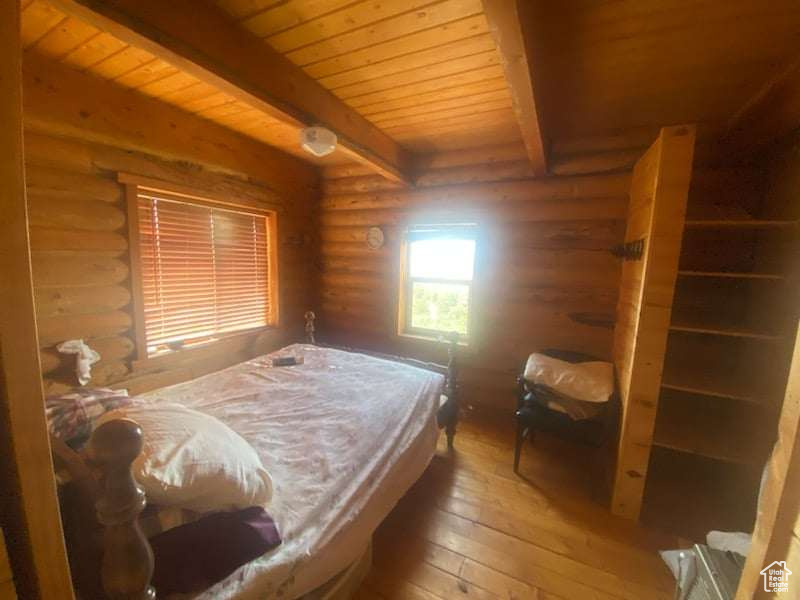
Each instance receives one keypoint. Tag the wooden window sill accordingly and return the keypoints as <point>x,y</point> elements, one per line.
<point>434,338</point>
<point>212,346</point>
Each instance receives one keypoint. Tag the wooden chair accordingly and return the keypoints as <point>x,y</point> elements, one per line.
<point>533,412</point>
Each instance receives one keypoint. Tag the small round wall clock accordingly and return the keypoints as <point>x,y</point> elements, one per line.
<point>375,238</point>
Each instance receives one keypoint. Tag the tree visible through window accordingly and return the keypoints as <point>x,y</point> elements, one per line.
<point>440,264</point>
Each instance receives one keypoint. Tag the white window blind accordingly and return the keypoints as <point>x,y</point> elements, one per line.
<point>205,271</point>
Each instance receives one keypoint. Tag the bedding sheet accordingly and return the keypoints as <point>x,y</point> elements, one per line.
<point>343,436</point>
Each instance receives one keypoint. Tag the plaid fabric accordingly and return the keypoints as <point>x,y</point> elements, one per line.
<point>71,416</point>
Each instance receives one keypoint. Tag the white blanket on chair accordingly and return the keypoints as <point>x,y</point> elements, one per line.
<point>587,381</point>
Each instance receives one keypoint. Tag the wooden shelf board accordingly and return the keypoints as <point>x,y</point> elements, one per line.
<point>711,326</point>
<point>728,432</point>
<point>711,391</point>
<point>716,211</point>
<point>712,446</point>
<point>730,274</point>
<point>740,223</point>
<point>696,378</point>
<point>679,444</point>
<point>729,332</point>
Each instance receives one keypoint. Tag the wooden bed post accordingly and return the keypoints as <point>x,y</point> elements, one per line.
<point>451,390</point>
<point>310,316</point>
<point>448,413</point>
<point>127,557</point>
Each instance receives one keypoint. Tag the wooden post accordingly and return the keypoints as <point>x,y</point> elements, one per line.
<point>777,532</point>
<point>32,524</point>
<point>127,557</point>
<point>656,212</point>
<point>451,390</point>
<point>310,316</point>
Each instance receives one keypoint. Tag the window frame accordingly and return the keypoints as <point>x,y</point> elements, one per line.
<point>404,327</point>
<point>189,195</point>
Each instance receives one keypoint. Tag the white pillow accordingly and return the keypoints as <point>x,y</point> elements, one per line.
<point>588,381</point>
<point>194,461</point>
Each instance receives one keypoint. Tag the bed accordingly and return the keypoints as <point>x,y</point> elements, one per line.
<point>344,435</point>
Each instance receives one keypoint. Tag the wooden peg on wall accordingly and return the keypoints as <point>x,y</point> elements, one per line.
<point>629,250</point>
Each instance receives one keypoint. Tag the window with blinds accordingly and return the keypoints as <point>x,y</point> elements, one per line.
<point>204,270</point>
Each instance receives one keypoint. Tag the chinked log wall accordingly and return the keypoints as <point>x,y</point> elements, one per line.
<point>81,268</point>
<point>546,277</point>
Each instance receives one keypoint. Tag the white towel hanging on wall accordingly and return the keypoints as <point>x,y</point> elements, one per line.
<point>85,358</point>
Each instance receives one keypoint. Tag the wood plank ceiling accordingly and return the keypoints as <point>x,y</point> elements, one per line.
<point>428,73</point>
<point>611,67</point>
<point>49,32</point>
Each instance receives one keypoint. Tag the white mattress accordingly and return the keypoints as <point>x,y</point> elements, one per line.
<point>344,436</point>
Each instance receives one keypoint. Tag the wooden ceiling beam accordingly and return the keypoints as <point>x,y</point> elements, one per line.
<point>200,39</point>
<point>509,22</point>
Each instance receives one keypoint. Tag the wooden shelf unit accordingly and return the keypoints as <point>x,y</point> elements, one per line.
<point>721,382</point>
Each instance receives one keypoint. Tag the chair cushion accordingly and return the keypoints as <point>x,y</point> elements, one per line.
<point>586,382</point>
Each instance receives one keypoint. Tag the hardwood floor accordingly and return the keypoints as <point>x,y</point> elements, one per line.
<point>470,528</point>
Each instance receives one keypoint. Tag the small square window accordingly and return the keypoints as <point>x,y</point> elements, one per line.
<point>437,280</point>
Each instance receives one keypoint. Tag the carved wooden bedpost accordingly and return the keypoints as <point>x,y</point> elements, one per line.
<point>127,556</point>
<point>310,316</point>
<point>451,389</point>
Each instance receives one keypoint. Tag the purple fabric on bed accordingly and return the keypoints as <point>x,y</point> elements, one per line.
<point>192,557</point>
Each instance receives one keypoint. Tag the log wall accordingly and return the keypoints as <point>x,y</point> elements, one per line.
<point>545,277</point>
<point>81,267</point>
